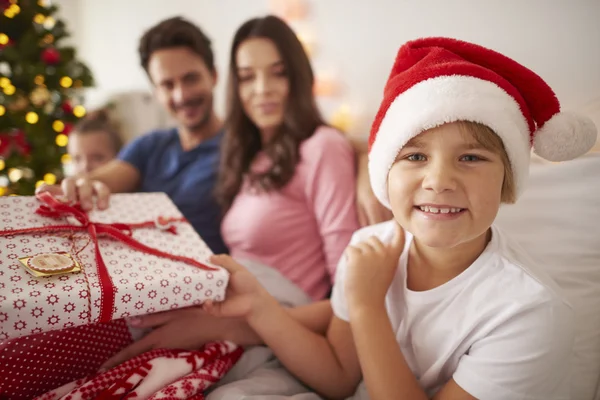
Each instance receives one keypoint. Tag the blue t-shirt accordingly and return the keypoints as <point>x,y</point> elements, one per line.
<point>187,177</point>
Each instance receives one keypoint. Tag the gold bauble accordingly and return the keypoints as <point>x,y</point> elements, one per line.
<point>39,96</point>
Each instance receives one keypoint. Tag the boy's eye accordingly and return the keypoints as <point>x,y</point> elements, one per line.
<point>471,158</point>
<point>245,78</point>
<point>416,157</point>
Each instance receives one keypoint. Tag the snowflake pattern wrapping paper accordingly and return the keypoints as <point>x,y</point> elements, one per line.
<point>141,283</point>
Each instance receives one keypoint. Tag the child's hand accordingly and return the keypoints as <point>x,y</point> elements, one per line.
<point>371,268</point>
<point>244,292</point>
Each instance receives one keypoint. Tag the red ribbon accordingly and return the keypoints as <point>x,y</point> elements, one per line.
<point>53,208</point>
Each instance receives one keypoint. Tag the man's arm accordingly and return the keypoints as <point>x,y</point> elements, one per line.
<point>115,177</point>
<point>118,176</point>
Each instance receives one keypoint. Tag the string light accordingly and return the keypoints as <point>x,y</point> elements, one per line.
<point>39,80</point>
<point>2,110</point>
<point>49,23</point>
<point>9,90</point>
<point>4,82</point>
<point>62,140</point>
<point>39,19</point>
<point>32,117</point>
<point>11,11</point>
<point>79,111</point>
<point>66,82</point>
<point>2,164</point>
<point>14,174</point>
<point>50,179</point>
<point>3,39</point>
<point>58,126</point>
<point>65,159</point>
<point>39,183</point>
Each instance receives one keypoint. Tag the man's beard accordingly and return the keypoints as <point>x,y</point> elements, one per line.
<point>198,102</point>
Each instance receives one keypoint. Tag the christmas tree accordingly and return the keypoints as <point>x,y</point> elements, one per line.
<point>40,95</point>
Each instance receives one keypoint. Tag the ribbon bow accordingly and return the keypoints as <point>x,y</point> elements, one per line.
<point>53,208</point>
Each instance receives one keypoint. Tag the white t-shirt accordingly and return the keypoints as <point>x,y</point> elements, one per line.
<point>501,328</point>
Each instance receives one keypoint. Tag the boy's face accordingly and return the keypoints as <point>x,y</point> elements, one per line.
<point>90,150</point>
<point>445,188</point>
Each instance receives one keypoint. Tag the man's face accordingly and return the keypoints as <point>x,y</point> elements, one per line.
<point>184,85</point>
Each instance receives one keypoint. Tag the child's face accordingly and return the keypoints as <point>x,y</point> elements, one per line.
<point>90,150</point>
<point>445,188</point>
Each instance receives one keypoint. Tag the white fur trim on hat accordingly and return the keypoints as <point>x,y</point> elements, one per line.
<point>446,99</point>
<point>564,137</point>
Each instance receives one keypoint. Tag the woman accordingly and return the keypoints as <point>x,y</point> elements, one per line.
<point>287,181</point>
<point>286,185</point>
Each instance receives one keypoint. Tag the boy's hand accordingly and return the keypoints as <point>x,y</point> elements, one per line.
<point>244,296</point>
<point>371,268</point>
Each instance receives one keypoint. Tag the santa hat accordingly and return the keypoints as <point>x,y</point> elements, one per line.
<point>439,80</point>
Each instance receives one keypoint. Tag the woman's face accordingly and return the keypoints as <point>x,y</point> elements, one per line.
<point>263,84</point>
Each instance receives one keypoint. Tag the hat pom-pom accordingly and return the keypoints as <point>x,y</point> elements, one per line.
<point>564,137</point>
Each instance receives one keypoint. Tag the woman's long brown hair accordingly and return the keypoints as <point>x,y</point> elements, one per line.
<point>242,141</point>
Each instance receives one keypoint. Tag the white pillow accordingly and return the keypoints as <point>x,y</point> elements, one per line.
<point>557,220</point>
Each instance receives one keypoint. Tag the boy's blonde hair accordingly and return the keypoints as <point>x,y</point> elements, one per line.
<point>492,142</point>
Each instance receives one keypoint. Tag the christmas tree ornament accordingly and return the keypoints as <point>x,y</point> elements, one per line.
<point>50,56</point>
<point>19,104</point>
<point>39,96</point>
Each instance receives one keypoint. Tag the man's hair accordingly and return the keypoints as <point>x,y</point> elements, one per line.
<point>175,32</point>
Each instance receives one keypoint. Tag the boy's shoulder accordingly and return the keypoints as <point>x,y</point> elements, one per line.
<point>512,267</point>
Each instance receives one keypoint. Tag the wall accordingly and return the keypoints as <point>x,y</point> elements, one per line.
<point>356,41</point>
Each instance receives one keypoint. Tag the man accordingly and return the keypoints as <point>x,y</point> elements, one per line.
<point>182,161</point>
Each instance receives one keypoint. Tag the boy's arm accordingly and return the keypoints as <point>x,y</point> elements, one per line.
<point>328,364</point>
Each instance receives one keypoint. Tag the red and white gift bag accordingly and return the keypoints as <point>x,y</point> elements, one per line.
<point>35,364</point>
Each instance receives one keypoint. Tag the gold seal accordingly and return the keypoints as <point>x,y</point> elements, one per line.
<point>49,264</point>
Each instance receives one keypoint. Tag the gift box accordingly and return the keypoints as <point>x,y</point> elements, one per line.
<point>138,257</point>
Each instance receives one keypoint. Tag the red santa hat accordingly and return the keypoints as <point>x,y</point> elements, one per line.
<point>439,80</point>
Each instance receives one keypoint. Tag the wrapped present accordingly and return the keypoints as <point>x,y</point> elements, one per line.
<point>61,267</point>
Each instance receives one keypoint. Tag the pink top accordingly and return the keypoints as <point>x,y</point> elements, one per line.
<point>303,229</point>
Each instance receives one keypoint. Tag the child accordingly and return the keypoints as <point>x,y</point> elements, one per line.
<point>439,303</point>
<point>94,142</point>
